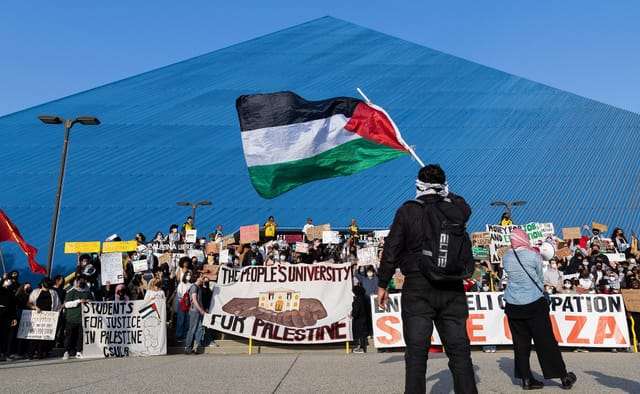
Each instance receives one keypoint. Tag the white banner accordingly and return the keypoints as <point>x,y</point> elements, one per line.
<point>35,325</point>
<point>294,304</point>
<point>587,320</point>
<point>111,268</point>
<point>124,329</point>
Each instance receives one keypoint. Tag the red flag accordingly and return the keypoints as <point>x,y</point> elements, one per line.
<point>9,232</point>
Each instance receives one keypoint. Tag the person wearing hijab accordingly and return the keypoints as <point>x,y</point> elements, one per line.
<point>528,315</point>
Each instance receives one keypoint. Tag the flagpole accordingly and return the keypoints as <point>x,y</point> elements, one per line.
<point>407,146</point>
<point>4,269</point>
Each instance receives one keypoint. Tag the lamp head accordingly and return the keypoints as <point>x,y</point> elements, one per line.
<point>88,120</point>
<point>50,119</point>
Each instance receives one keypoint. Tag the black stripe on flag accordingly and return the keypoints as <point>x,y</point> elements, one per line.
<point>257,111</point>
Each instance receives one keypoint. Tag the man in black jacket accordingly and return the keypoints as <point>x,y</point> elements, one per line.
<point>426,302</point>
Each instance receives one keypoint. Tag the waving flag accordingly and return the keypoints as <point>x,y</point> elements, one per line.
<point>289,141</point>
<point>9,232</point>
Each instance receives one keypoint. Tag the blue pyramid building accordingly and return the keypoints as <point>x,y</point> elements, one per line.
<point>172,134</point>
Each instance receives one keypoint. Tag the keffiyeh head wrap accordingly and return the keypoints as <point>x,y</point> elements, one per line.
<point>519,239</point>
<point>424,189</point>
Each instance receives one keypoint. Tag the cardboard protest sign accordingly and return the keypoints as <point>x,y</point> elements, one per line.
<point>210,271</point>
<point>191,236</point>
<point>212,247</point>
<point>599,226</point>
<point>330,237</point>
<point>124,329</point>
<point>228,240</point>
<point>111,268</point>
<point>571,233</point>
<point>292,304</point>
<point>316,231</point>
<point>139,265</point>
<point>35,325</point>
<point>82,247</point>
<point>631,300</point>
<point>398,281</point>
<point>368,256</point>
<point>223,256</point>
<point>119,246</point>
<point>481,238</point>
<point>197,253</point>
<point>249,233</point>
<point>302,247</point>
<point>563,253</point>
<point>164,258</point>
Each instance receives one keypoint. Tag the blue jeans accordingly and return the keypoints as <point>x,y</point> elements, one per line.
<point>182,323</point>
<point>422,307</point>
<point>195,330</point>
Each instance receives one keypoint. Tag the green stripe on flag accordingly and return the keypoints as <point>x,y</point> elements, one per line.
<point>346,159</point>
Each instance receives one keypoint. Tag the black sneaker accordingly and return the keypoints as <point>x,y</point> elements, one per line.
<point>531,384</point>
<point>568,381</point>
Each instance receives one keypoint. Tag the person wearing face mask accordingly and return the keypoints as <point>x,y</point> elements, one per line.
<point>73,301</point>
<point>567,287</point>
<point>42,299</point>
<point>370,284</point>
<point>597,256</point>
<point>553,278</point>
<point>18,346</point>
<point>174,237</point>
<point>182,318</point>
<point>253,256</point>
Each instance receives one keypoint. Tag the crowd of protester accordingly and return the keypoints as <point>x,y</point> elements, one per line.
<point>587,270</point>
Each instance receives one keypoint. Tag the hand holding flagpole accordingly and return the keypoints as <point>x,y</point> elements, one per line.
<point>400,139</point>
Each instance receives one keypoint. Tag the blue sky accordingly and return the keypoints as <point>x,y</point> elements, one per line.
<point>51,49</point>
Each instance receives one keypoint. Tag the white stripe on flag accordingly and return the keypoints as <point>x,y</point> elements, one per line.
<point>281,144</point>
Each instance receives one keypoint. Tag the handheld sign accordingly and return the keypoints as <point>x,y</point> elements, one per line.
<point>82,247</point>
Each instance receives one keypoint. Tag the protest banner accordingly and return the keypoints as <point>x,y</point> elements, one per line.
<point>480,253</point>
<point>292,238</point>
<point>631,300</point>
<point>571,233</point>
<point>368,256</point>
<point>315,232</point>
<point>330,237</point>
<point>589,320</point>
<point>119,246</point>
<point>617,257</point>
<point>111,268</point>
<point>124,329</point>
<point>249,233</point>
<point>302,247</point>
<point>82,247</point>
<point>292,304</point>
<point>35,325</point>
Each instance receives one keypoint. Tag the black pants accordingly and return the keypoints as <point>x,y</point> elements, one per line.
<point>422,307</point>
<point>531,321</point>
<point>73,338</point>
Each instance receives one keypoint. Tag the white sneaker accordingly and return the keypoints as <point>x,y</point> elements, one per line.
<point>65,356</point>
<point>78,355</point>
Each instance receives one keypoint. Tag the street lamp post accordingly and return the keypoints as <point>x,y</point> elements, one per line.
<point>508,205</point>
<point>193,206</point>
<point>68,124</point>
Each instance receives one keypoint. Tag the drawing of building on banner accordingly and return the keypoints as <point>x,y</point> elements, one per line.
<point>280,300</point>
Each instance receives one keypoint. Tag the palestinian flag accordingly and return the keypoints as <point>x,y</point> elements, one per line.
<point>148,310</point>
<point>289,141</point>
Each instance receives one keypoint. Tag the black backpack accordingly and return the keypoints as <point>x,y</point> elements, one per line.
<point>446,247</point>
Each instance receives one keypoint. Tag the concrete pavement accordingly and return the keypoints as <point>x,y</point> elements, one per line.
<point>305,372</point>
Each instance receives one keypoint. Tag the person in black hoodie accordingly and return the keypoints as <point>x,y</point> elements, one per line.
<point>8,317</point>
<point>359,318</point>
